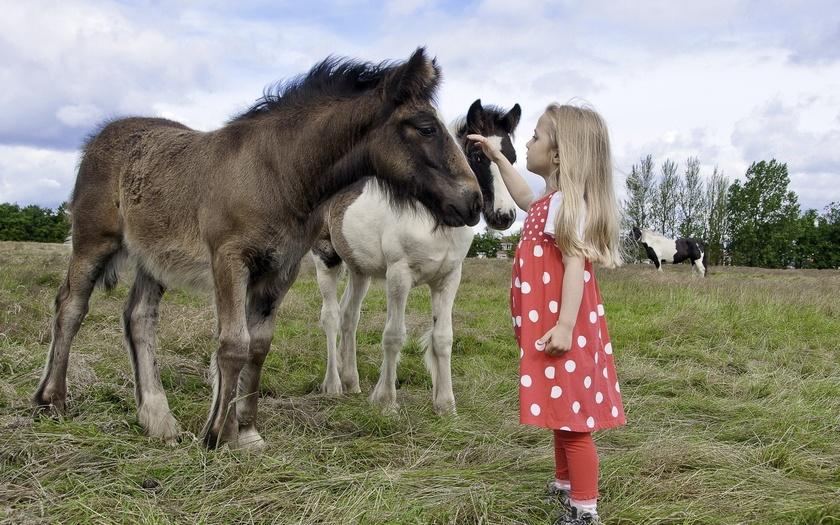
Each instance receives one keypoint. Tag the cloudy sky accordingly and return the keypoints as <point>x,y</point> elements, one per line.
<point>730,82</point>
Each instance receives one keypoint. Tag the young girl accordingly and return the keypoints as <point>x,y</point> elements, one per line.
<point>567,375</point>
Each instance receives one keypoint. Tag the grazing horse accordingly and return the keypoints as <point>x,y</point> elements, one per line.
<point>661,249</point>
<point>234,210</point>
<point>377,237</point>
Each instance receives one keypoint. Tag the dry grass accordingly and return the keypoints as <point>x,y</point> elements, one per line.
<point>731,384</point>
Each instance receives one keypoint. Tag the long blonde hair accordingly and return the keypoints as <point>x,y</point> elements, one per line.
<point>584,175</point>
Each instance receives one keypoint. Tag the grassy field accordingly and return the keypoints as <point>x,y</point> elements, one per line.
<point>731,385</point>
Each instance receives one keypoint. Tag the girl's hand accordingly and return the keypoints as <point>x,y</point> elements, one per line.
<point>557,341</point>
<point>490,149</point>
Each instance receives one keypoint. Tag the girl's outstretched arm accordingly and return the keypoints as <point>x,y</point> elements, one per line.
<point>522,194</point>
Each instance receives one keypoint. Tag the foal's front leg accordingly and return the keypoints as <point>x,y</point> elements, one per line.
<point>230,277</point>
<point>398,282</point>
<point>263,301</point>
<point>438,357</point>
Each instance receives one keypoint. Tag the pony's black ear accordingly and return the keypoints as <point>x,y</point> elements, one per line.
<point>511,119</point>
<point>474,116</point>
<point>416,79</point>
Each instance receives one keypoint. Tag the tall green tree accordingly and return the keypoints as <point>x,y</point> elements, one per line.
<point>717,190</point>
<point>763,215</point>
<point>640,189</point>
<point>691,200</point>
<point>665,194</point>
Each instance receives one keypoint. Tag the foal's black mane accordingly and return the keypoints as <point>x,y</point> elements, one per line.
<point>332,77</point>
<point>491,112</point>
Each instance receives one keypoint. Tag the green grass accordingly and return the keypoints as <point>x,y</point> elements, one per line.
<point>731,386</point>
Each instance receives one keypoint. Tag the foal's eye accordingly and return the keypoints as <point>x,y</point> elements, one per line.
<point>426,132</point>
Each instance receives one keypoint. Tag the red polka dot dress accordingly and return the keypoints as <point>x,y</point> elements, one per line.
<point>578,390</point>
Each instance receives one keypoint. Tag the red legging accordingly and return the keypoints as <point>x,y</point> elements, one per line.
<point>576,460</point>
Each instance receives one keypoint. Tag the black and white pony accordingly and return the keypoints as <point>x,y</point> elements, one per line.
<point>407,247</point>
<point>661,249</point>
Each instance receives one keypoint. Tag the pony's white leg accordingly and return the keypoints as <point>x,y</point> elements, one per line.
<point>328,285</point>
<point>701,270</point>
<point>398,283</point>
<point>351,306</point>
<point>439,342</point>
<point>139,322</point>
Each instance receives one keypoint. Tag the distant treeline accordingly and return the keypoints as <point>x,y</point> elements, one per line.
<point>33,223</point>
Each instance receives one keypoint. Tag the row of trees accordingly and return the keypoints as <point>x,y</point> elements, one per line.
<point>33,223</point>
<point>756,222</point>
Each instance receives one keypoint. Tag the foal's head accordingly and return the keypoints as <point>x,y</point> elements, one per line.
<point>413,152</point>
<point>497,125</point>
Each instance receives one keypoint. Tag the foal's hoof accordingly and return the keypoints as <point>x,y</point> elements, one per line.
<point>250,440</point>
<point>49,404</point>
<point>445,409</point>
<point>332,388</point>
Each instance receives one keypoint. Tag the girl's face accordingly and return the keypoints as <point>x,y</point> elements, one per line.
<point>540,151</point>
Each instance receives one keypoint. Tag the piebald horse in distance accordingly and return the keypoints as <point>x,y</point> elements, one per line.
<point>661,249</point>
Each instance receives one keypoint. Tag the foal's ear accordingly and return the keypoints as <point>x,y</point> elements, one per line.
<point>416,79</point>
<point>474,115</point>
<point>511,119</point>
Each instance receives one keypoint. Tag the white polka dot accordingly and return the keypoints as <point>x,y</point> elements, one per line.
<point>599,397</point>
<point>600,309</point>
<point>517,283</point>
<point>615,411</point>
<point>549,372</point>
<point>593,317</point>
<point>590,422</point>
<point>538,251</point>
<point>539,345</point>
<point>546,278</point>
<point>534,316</point>
<point>556,392</point>
<point>586,276</point>
<point>552,306</point>
<point>567,429</point>
<point>599,334</point>
<point>526,287</point>
<point>581,341</point>
<point>535,409</point>
<point>605,373</point>
<point>608,348</point>
<point>542,220</point>
<point>570,366</point>
<point>521,353</point>
<point>575,407</point>
<point>617,389</point>
<point>587,382</point>
<point>596,358</point>
<point>518,320</point>
<point>521,262</point>
<point>525,380</point>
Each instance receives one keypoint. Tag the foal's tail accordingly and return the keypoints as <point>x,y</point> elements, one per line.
<point>705,260</point>
<point>428,345</point>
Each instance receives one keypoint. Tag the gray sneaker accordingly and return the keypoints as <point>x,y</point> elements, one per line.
<point>575,517</point>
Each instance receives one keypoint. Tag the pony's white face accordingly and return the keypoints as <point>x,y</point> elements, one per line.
<point>498,207</point>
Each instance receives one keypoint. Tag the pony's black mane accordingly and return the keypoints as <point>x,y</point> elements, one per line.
<point>491,112</point>
<point>332,77</point>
